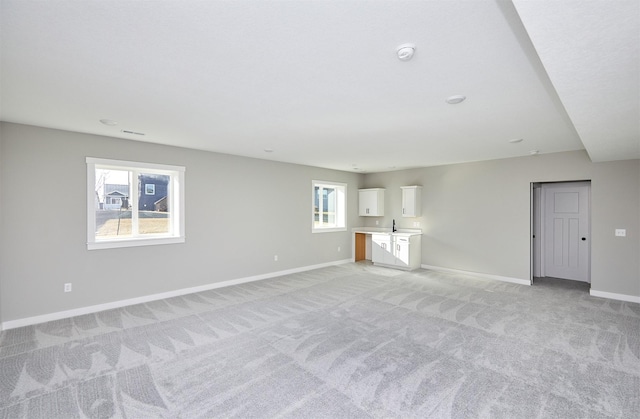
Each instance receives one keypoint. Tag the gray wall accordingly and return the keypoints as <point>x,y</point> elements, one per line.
<point>476,215</point>
<point>240,212</point>
<point>1,221</point>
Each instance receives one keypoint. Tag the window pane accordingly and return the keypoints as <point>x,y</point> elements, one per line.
<point>153,199</point>
<point>133,204</point>
<point>113,212</point>
<point>329,215</point>
<point>317,203</point>
<point>329,206</point>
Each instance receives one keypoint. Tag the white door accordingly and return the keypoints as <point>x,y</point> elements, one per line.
<point>566,230</point>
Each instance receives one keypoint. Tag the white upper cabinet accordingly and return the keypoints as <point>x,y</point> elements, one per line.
<point>411,201</point>
<point>371,202</point>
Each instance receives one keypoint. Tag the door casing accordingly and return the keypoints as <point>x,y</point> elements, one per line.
<point>538,218</point>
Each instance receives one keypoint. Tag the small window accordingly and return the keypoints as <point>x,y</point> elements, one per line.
<point>133,204</point>
<point>329,205</point>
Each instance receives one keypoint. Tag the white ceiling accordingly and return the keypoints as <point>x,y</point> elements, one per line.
<point>319,82</point>
<point>590,49</point>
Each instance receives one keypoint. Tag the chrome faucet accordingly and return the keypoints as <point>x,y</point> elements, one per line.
<point>394,229</point>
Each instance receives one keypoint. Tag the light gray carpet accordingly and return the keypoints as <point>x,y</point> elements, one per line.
<point>347,341</point>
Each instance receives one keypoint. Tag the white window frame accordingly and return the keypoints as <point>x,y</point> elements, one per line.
<point>341,207</point>
<point>176,204</point>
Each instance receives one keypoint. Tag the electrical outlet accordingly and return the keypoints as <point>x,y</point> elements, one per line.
<point>338,248</point>
<point>377,222</point>
<point>621,232</point>
<point>67,287</point>
<point>275,258</point>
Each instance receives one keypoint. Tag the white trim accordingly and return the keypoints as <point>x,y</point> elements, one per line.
<point>341,206</point>
<point>328,230</point>
<point>175,189</point>
<point>28,321</point>
<point>478,274</point>
<point>133,165</point>
<point>614,296</point>
<point>134,242</point>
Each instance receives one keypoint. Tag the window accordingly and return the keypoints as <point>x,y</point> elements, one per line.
<point>133,204</point>
<point>329,205</point>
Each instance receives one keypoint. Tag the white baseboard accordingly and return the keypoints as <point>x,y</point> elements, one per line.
<point>480,275</point>
<point>28,321</point>
<point>614,296</point>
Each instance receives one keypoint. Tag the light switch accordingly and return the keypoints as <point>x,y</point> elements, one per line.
<point>621,232</point>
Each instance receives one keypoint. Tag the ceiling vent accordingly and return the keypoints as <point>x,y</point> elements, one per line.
<point>126,131</point>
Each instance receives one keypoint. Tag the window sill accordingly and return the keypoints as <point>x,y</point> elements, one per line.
<point>113,244</point>
<point>328,230</point>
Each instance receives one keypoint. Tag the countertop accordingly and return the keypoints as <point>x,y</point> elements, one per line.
<point>375,230</point>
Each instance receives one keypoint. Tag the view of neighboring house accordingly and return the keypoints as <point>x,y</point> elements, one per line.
<point>154,193</point>
<point>114,196</point>
<point>152,197</point>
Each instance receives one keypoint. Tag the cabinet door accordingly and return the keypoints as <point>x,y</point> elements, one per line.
<point>371,202</point>
<point>402,255</point>
<point>381,249</point>
<point>408,202</point>
<point>411,201</point>
<point>377,249</point>
<point>365,199</point>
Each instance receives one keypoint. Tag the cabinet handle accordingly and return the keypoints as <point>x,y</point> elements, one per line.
<point>403,210</point>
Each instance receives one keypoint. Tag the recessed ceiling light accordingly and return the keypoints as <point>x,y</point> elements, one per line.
<point>268,150</point>
<point>452,100</point>
<point>405,51</point>
<point>109,122</point>
<point>534,152</point>
<point>515,140</point>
